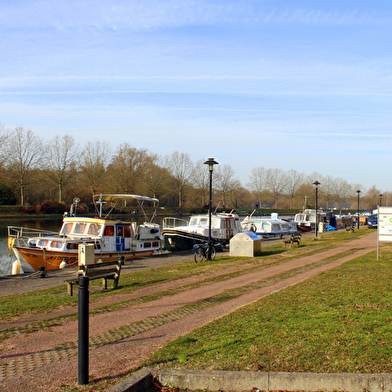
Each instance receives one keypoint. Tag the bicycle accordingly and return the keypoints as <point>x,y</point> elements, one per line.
<point>201,252</point>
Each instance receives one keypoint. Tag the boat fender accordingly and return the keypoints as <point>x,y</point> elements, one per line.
<point>63,264</point>
<point>155,230</point>
<point>15,268</point>
<point>11,242</point>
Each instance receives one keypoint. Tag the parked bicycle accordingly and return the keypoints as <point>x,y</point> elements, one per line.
<point>201,252</point>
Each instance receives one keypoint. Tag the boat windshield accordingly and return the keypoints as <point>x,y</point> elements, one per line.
<point>92,229</point>
<point>198,221</point>
<point>299,218</point>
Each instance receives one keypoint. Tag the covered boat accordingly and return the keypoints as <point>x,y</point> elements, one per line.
<point>112,238</point>
<point>179,234</point>
<point>269,227</point>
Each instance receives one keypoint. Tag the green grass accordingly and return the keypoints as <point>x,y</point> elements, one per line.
<point>338,321</point>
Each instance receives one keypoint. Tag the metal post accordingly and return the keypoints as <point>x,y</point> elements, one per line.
<point>210,162</point>
<point>316,183</point>
<point>83,330</point>
<point>358,191</point>
<point>209,219</point>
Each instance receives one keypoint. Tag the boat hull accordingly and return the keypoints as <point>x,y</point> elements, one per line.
<point>51,260</point>
<point>175,241</point>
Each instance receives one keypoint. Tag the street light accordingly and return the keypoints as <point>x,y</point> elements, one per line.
<point>380,199</point>
<point>316,183</point>
<point>359,192</point>
<point>210,162</point>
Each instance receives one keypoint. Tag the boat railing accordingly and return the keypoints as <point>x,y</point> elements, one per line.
<point>170,222</point>
<point>22,234</point>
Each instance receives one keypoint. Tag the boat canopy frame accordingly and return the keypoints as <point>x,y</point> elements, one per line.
<point>114,198</point>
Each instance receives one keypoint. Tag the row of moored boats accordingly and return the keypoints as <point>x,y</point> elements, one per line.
<point>113,238</point>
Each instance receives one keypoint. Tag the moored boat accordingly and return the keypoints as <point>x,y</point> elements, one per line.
<point>111,238</point>
<point>269,227</point>
<point>179,234</point>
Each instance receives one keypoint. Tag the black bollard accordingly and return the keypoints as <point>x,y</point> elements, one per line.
<point>83,330</point>
<point>121,258</point>
<point>41,270</point>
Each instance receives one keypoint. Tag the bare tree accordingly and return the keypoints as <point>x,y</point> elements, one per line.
<point>26,156</point>
<point>4,150</point>
<point>276,182</point>
<point>128,167</point>
<point>180,167</point>
<point>327,190</point>
<point>94,161</point>
<point>61,156</point>
<point>200,180</point>
<point>226,182</point>
<point>294,182</point>
<point>258,183</point>
<point>156,179</point>
<point>341,190</point>
<point>372,197</point>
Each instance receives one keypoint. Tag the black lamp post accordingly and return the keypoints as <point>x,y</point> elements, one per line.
<point>210,162</point>
<point>316,183</point>
<point>359,192</point>
<point>380,199</point>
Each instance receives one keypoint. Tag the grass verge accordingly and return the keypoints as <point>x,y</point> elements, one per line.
<point>338,321</point>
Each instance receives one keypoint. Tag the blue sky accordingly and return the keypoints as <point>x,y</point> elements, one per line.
<point>303,85</point>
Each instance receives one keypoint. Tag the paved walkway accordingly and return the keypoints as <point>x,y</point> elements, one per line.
<point>122,338</point>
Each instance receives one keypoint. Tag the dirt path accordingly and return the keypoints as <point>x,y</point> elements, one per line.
<point>121,339</point>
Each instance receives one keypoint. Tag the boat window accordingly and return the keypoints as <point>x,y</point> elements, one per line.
<point>109,231</point>
<point>128,231</point>
<point>97,245</point>
<point>266,226</point>
<point>43,242</point>
<point>56,244</point>
<point>120,231</point>
<point>193,221</point>
<point>32,242</point>
<point>79,228</point>
<point>147,245</point>
<point>203,221</point>
<point>94,229</point>
<point>310,218</point>
<point>155,244</point>
<point>285,227</point>
<point>72,245</point>
<point>275,227</point>
<point>67,228</point>
<point>215,223</point>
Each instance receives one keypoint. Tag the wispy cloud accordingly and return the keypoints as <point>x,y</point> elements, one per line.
<point>137,15</point>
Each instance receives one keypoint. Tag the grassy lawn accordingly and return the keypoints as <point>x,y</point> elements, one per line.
<point>339,321</point>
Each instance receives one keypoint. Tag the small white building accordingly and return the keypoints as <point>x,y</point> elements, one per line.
<point>245,244</point>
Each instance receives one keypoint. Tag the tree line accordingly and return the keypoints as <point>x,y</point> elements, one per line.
<point>60,169</point>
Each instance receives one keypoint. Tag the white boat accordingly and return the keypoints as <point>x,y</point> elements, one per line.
<point>112,238</point>
<point>269,227</point>
<point>179,234</point>
<point>306,220</point>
